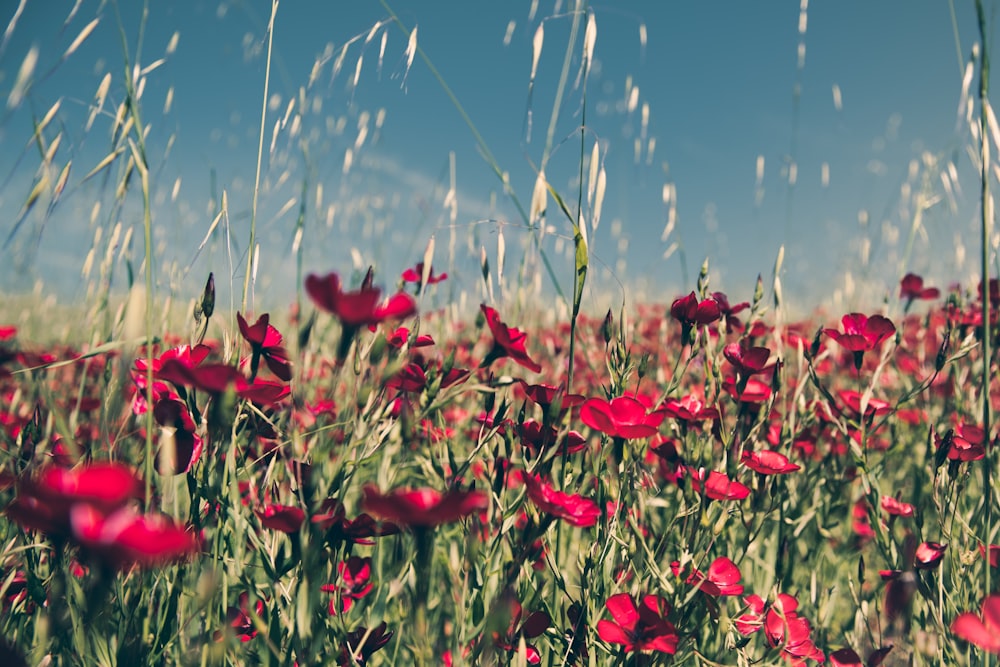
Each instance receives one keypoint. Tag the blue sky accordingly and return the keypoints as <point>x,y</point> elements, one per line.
<point>874,126</point>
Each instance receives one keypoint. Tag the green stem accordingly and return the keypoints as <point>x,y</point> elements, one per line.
<point>260,153</point>
<point>986,210</point>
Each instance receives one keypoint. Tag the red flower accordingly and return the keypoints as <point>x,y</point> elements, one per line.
<point>643,628</point>
<point>722,578</point>
<point>283,518</point>
<point>729,312</point>
<point>982,631</point>
<point>360,308</point>
<point>929,555</point>
<point>622,417</point>
<point>125,537</point>
<point>896,507</point>
<point>355,583</point>
<point>689,311</point>
<point>861,334</point>
<point>746,360</point>
<point>994,556</point>
<point>180,445</point>
<point>528,627</point>
<point>507,342</point>
<point>265,343</point>
<point>341,529</point>
<point>415,275</point>
<point>361,643</point>
<point>575,510</point>
<point>768,462</point>
<point>911,287</point>
<point>782,625</point>
<point>423,508</point>
<point>689,409</point>
<point>44,503</point>
<point>719,486</point>
<point>240,619</point>
<point>962,444</point>
<point>213,378</point>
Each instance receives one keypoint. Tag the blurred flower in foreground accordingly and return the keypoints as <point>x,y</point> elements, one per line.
<point>982,631</point>
<point>423,508</point>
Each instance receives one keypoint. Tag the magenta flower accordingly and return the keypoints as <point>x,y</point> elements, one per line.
<point>746,360</point>
<point>719,487</point>
<point>415,275</point>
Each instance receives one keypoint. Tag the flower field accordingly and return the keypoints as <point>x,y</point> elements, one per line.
<point>375,484</point>
<point>375,472</point>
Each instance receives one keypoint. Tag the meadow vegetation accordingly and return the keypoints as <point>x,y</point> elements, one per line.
<point>368,474</point>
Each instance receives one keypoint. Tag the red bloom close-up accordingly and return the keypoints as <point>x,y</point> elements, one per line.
<point>622,417</point>
<point>507,342</point>
<point>862,334</point>
<point>747,360</point>
<point>423,508</point>
<point>911,288</point>
<point>719,487</point>
<point>44,503</point>
<point>895,507</point>
<point>415,275</point>
<point>124,537</point>
<point>689,311</point>
<point>265,343</point>
<point>573,509</point>
<point>282,518</point>
<point>358,308</point>
<point>928,555</point>
<point>768,462</point>
<point>639,628</point>
<point>722,578</point>
<point>982,630</point>
<point>355,582</point>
